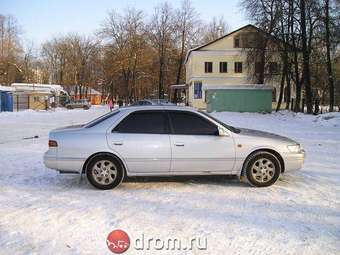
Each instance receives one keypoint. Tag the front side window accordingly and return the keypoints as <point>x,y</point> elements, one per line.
<point>208,67</point>
<point>144,122</point>
<point>186,123</point>
<point>197,90</point>
<point>238,67</point>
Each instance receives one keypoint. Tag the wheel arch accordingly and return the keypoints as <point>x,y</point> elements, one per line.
<point>105,153</point>
<point>274,152</point>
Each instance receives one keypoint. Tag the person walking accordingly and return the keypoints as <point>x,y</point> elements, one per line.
<point>110,104</point>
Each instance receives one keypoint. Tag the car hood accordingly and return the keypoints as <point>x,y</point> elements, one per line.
<point>262,134</point>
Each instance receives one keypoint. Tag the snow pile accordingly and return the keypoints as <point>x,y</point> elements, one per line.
<point>44,212</point>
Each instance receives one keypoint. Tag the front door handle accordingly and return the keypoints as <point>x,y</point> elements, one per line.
<point>118,143</point>
<point>179,144</point>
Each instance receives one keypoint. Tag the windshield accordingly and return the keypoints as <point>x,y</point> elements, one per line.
<point>101,119</point>
<point>231,128</point>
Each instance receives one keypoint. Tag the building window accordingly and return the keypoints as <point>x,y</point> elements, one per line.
<point>273,68</point>
<point>236,42</point>
<point>208,67</point>
<point>223,67</point>
<point>197,90</point>
<point>36,99</point>
<point>238,67</point>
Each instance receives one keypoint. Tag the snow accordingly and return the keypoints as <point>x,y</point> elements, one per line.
<point>43,212</point>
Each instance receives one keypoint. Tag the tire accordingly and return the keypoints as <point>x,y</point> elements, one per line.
<point>69,107</point>
<point>86,107</point>
<point>262,169</point>
<point>104,172</point>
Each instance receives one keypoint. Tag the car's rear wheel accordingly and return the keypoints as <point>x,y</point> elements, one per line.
<point>262,169</point>
<point>104,172</point>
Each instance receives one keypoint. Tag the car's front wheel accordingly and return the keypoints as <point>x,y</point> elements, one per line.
<point>104,172</point>
<point>262,169</point>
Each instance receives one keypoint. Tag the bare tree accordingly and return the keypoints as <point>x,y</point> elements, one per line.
<point>10,50</point>
<point>216,28</point>
<point>187,28</point>
<point>125,40</point>
<point>161,34</point>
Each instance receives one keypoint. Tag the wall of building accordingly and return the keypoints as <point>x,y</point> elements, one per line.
<point>221,51</point>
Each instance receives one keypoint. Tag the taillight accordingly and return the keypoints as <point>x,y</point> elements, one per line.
<point>52,143</point>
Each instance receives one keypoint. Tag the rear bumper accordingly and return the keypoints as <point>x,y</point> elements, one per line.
<point>71,165</point>
<point>50,161</point>
<point>294,161</point>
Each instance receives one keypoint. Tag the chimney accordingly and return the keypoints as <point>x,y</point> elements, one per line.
<point>220,31</point>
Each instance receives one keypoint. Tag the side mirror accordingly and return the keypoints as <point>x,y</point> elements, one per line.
<point>222,132</point>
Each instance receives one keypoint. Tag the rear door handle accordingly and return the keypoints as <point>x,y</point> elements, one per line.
<point>118,143</point>
<point>179,144</point>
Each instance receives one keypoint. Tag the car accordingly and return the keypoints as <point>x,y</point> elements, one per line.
<point>82,103</point>
<point>169,141</point>
<point>151,102</point>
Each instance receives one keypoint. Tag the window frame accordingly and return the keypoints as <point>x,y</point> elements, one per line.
<point>235,69</point>
<point>166,123</point>
<point>207,65</point>
<point>200,90</point>
<point>172,132</point>
<point>221,67</point>
<point>239,42</point>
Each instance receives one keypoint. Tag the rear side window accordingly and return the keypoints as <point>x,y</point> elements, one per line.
<point>184,123</point>
<point>101,119</point>
<point>144,122</point>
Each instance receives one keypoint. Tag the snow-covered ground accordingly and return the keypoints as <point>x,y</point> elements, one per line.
<point>42,212</point>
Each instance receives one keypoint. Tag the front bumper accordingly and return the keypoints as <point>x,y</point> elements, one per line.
<point>294,161</point>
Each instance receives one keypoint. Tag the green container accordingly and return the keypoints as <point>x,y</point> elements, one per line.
<point>239,100</point>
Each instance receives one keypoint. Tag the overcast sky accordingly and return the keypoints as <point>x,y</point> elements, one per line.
<point>42,19</point>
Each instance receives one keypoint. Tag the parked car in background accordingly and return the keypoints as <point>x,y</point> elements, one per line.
<point>168,141</point>
<point>152,102</point>
<point>82,103</point>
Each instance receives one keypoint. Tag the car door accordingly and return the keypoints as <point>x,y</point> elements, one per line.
<point>142,139</point>
<point>196,145</point>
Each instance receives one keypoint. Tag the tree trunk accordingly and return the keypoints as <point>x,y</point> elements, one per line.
<point>180,61</point>
<point>296,75</point>
<point>161,74</point>
<point>305,56</point>
<point>288,95</point>
<point>283,76</point>
<point>329,63</point>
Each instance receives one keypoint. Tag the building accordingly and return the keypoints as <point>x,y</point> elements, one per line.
<point>93,96</point>
<point>37,96</point>
<point>222,64</point>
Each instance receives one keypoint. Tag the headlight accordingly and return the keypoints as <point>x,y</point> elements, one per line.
<point>294,148</point>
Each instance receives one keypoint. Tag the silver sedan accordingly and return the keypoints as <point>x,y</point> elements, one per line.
<point>169,141</point>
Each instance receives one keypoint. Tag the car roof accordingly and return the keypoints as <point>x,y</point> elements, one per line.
<point>157,107</point>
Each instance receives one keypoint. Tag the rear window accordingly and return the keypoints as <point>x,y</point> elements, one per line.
<point>101,119</point>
